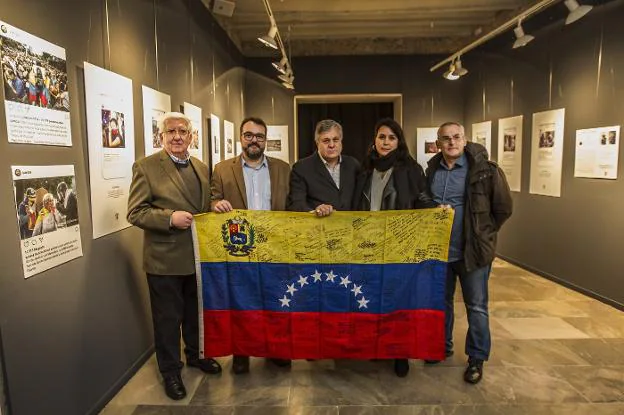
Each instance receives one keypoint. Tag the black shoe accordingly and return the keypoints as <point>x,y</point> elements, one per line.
<point>447,354</point>
<point>401,367</point>
<point>282,362</point>
<point>474,371</point>
<point>240,364</point>
<point>209,366</point>
<point>174,388</point>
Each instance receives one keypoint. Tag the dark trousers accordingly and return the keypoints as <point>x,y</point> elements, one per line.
<point>174,303</point>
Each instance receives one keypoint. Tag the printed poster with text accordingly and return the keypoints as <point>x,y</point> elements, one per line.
<point>196,148</point>
<point>110,131</point>
<point>510,150</point>
<point>547,153</point>
<point>597,152</point>
<point>36,97</point>
<point>47,216</point>
<point>482,134</point>
<point>426,145</point>
<point>155,104</point>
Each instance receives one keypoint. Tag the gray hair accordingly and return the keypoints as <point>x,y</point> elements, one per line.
<point>48,198</point>
<point>324,126</point>
<point>448,124</point>
<point>162,121</point>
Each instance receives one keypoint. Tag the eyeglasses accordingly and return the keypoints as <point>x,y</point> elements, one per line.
<point>181,131</point>
<point>448,139</point>
<point>248,136</point>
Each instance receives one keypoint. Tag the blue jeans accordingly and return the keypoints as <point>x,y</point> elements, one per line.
<point>474,287</point>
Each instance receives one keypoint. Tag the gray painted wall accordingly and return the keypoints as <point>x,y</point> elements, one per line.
<point>72,333</point>
<point>427,99</point>
<point>572,238</point>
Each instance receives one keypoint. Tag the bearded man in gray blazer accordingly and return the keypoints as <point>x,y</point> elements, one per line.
<point>167,189</point>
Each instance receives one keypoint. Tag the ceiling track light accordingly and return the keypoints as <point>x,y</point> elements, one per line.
<point>288,77</point>
<point>274,40</point>
<point>576,11</point>
<point>522,39</point>
<point>282,65</point>
<point>459,69</point>
<point>450,74</point>
<point>269,38</point>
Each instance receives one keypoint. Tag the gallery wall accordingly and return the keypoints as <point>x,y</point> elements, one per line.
<point>427,99</point>
<point>573,238</point>
<point>74,334</point>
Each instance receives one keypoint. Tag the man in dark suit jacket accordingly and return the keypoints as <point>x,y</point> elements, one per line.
<point>324,181</point>
<point>250,181</point>
<point>167,189</point>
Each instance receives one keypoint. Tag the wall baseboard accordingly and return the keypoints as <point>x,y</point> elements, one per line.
<point>114,390</point>
<point>563,282</point>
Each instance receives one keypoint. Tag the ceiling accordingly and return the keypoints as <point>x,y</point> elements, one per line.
<point>366,27</point>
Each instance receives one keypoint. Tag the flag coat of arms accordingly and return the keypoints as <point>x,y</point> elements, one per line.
<point>352,285</point>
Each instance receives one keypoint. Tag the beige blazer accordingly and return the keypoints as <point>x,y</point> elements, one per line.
<point>156,191</point>
<point>228,183</point>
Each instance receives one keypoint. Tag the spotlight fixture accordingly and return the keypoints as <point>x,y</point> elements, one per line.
<point>282,65</point>
<point>576,11</point>
<point>522,39</point>
<point>269,38</point>
<point>287,77</point>
<point>450,74</point>
<point>459,70</point>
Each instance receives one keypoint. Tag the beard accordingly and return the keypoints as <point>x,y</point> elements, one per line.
<point>249,152</point>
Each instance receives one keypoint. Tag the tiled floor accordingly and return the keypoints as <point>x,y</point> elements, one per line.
<point>554,352</point>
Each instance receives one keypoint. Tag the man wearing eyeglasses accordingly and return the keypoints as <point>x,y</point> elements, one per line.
<point>324,181</point>
<point>167,189</point>
<point>462,178</point>
<point>250,181</point>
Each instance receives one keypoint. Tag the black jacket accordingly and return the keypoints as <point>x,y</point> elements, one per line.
<point>406,189</point>
<point>312,185</point>
<point>487,204</point>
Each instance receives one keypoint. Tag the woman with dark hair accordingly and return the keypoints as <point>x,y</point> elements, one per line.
<point>391,180</point>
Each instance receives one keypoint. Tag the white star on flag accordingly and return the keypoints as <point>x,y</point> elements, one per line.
<point>362,302</point>
<point>330,276</point>
<point>303,280</point>
<point>291,289</point>
<point>317,276</point>
<point>285,301</point>
<point>356,290</point>
<point>345,281</point>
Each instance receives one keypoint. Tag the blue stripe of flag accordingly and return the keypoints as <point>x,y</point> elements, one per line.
<point>383,288</point>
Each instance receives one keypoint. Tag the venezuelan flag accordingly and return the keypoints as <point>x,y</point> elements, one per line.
<point>352,285</point>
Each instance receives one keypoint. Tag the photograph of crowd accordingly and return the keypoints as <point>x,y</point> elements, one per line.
<point>509,141</point>
<point>430,147</point>
<point>546,138</point>
<point>113,129</point>
<point>45,205</point>
<point>33,78</point>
